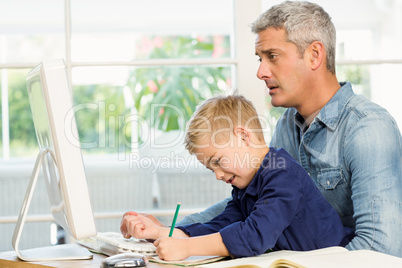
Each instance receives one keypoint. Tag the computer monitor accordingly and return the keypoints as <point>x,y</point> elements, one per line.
<point>61,163</point>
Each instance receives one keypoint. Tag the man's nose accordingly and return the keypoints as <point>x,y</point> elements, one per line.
<point>264,72</point>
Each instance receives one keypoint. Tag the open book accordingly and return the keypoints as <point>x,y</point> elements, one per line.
<point>332,257</point>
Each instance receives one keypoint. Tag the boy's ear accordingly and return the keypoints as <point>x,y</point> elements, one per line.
<point>242,133</point>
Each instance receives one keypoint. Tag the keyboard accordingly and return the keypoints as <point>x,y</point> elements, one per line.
<point>111,243</point>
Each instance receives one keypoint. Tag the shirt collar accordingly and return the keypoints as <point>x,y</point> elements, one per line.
<point>330,114</point>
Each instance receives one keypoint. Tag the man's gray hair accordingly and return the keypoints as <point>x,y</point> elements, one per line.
<point>304,23</point>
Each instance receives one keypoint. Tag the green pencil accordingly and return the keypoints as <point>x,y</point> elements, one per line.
<point>174,219</point>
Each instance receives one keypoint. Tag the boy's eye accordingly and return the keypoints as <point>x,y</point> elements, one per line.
<point>215,163</point>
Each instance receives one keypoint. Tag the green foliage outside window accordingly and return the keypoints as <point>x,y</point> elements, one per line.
<point>166,96</point>
<point>22,134</point>
<point>99,112</point>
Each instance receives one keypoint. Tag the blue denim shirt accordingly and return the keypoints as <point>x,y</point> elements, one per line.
<point>281,208</point>
<point>352,151</point>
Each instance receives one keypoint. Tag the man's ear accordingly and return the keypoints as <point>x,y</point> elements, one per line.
<point>242,133</point>
<point>316,54</point>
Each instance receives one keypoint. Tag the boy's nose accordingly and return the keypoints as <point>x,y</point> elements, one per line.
<point>219,174</point>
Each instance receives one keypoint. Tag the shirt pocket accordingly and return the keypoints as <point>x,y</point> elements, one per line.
<point>330,178</point>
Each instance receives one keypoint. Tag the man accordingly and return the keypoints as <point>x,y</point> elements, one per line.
<point>350,147</point>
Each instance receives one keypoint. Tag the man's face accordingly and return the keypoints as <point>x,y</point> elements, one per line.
<point>282,69</point>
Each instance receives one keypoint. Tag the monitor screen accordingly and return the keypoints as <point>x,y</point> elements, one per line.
<point>59,157</point>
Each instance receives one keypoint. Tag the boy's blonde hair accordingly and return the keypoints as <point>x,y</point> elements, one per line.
<point>218,116</point>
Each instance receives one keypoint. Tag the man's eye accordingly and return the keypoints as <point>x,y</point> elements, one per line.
<point>272,56</point>
<point>259,59</point>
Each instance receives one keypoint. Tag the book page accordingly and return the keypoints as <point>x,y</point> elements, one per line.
<point>349,259</point>
<point>265,260</point>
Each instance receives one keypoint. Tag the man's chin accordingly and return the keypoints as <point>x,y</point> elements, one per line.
<point>278,103</point>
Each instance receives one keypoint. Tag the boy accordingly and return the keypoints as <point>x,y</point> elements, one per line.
<point>275,204</point>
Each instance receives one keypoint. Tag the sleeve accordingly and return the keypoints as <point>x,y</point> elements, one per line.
<point>373,155</point>
<point>277,205</point>
<point>231,214</point>
<point>206,215</point>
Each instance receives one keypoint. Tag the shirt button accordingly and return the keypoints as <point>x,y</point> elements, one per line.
<point>328,183</point>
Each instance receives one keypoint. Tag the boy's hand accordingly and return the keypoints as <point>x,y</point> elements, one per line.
<point>139,226</point>
<point>123,228</point>
<point>170,248</point>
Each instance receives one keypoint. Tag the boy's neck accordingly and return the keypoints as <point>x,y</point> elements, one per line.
<point>261,153</point>
<point>264,152</point>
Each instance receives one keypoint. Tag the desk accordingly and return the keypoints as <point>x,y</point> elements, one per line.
<point>95,262</point>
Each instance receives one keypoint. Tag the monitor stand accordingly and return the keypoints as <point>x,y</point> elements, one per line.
<point>58,252</point>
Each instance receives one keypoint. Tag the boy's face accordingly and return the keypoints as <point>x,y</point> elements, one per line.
<point>231,161</point>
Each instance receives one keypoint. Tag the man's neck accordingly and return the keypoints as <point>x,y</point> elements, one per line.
<point>310,118</point>
<point>319,96</point>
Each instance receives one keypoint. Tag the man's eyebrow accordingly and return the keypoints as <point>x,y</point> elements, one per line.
<point>267,51</point>
<point>262,52</point>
